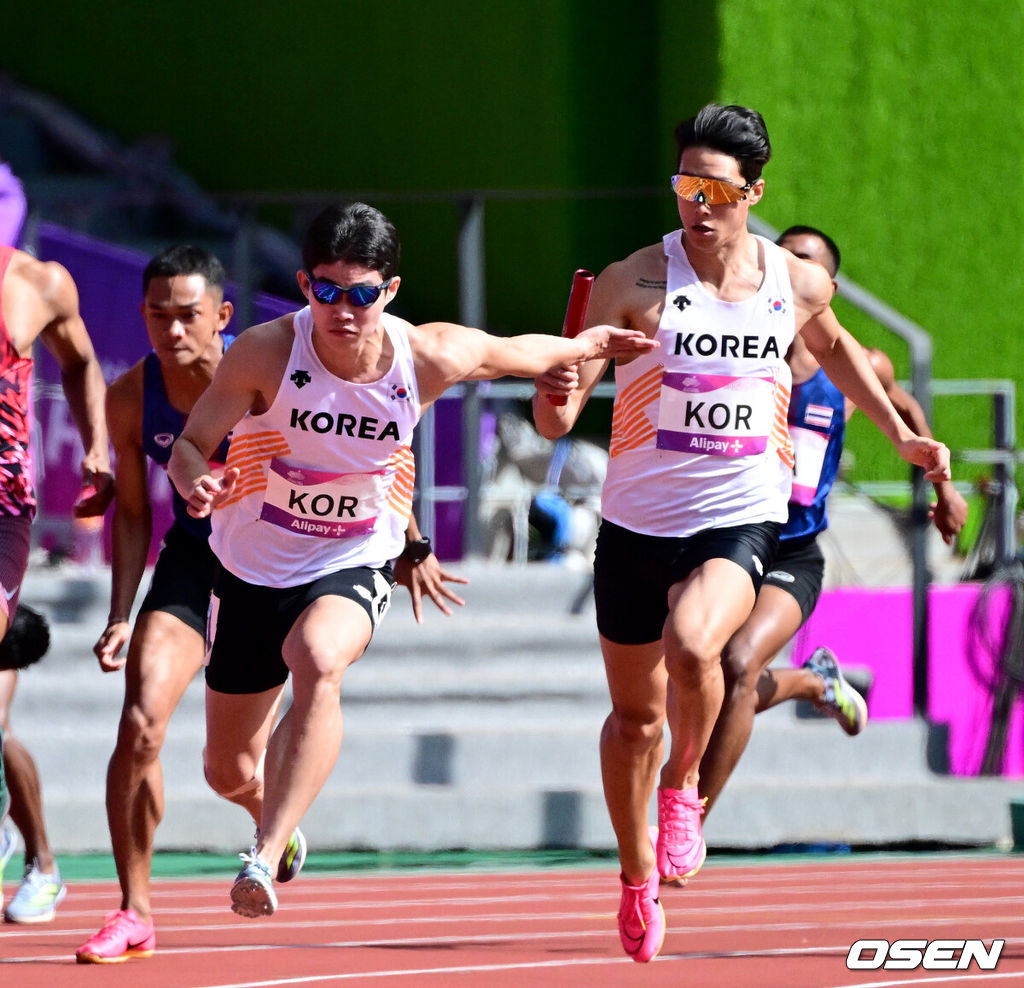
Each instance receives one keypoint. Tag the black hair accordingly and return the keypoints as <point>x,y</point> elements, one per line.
<point>810,231</point>
<point>185,259</point>
<point>733,130</point>
<point>356,234</point>
<point>27,639</point>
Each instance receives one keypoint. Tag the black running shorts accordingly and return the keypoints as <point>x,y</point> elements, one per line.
<point>633,572</point>
<point>248,623</point>
<point>799,569</point>
<point>182,579</point>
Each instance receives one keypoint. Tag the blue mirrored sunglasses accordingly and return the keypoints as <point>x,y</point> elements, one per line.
<point>328,293</point>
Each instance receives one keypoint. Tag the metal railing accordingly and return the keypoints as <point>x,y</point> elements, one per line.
<point>472,292</point>
<point>919,343</point>
<point>146,176</point>
<point>470,206</point>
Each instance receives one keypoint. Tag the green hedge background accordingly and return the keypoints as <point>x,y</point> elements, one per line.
<point>897,127</point>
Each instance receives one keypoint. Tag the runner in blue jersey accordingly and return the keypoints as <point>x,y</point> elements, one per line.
<point>186,316</point>
<point>817,417</point>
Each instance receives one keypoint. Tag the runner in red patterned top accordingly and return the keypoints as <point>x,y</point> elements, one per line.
<point>16,494</point>
<point>38,300</point>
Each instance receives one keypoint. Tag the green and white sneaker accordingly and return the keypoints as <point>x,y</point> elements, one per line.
<point>842,702</point>
<point>294,857</point>
<point>37,897</point>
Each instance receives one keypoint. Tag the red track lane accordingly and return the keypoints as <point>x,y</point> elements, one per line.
<point>787,925</point>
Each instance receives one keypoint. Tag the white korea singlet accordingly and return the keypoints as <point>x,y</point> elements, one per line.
<point>699,436</point>
<point>327,471</point>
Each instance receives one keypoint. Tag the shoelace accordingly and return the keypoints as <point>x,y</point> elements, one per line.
<point>634,902</point>
<point>833,695</point>
<point>35,881</point>
<point>111,923</point>
<point>681,824</point>
<point>252,859</point>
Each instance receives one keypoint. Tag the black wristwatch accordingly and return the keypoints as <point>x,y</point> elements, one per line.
<point>417,550</point>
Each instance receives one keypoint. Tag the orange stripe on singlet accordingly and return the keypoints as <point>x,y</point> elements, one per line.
<point>630,425</point>
<point>779,436</point>
<point>250,454</point>
<point>402,487</point>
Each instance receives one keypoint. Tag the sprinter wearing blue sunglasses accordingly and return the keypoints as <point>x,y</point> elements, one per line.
<point>313,506</point>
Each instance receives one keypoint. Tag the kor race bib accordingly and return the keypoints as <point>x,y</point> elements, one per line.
<point>715,414</point>
<point>809,449</point>
<point>328,505</point>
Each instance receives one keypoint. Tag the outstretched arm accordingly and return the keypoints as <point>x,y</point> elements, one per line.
<point>949,512</point>
<point>534,353</point>
<point>846,364</point>
<point>234,390</point>
<point>446,353</point>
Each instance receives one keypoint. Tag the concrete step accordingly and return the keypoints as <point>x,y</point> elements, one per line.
<point>872,810</point>
<point>480,731</point>
<point>477,754</point>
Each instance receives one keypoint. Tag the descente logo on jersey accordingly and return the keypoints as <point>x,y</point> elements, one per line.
<point>706,345</point>
<point>361,427</point>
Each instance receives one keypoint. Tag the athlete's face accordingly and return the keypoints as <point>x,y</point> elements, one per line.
<point>343,321</point>
<point>810,248</point>
<point>184,317</point>
<point>709,226</point>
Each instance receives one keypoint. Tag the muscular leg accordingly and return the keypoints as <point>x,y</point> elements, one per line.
<point>774,620</point>
<point>238,730</point>
<point>303,748</point>
<point>23,784</point>
<point>163,657</point>
<point>330,635</point>
<point>705,610</point>
<point>238,727</point>
<point>775,686</point>
<point>632,748</point>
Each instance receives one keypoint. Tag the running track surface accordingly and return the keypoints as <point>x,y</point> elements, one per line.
<point>787,924</point>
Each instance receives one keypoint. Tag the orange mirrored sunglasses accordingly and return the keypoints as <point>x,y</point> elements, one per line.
<point>708,191</point>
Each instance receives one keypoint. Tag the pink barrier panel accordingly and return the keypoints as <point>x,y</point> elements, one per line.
<point>873,628</point>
